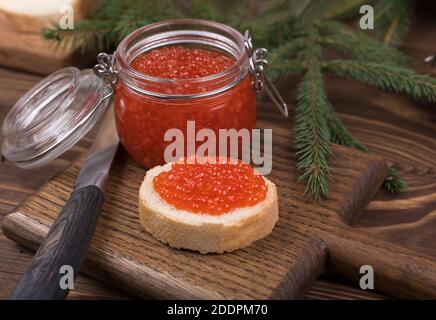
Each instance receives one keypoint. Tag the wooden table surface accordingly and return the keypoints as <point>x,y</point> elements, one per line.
<point>351,99</point>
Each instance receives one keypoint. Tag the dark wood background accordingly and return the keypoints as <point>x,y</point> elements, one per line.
<point>384,117</point>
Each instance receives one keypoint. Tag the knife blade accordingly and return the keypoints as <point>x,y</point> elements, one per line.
<point>61,255</point>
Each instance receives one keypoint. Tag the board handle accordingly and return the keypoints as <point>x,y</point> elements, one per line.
<point>65,245</point>
<point>398,271</point>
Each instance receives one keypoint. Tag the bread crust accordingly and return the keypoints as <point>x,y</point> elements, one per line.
<point>213,234</point>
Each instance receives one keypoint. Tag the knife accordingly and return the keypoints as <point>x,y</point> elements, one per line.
<point>70,235</point>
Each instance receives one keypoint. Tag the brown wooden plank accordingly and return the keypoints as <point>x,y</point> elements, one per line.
<point>12,86</point>
<point>31,53</point>
<point>334,286</point>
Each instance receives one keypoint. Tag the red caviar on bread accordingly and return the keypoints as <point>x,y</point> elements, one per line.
<point>207,206</point>
<point>207,188</point>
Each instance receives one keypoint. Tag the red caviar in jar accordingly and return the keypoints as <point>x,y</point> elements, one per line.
<point>210,188</point>
<point>142,119</point>
<point>178,62</point>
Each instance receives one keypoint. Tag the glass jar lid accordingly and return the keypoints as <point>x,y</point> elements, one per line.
<point>53,115</point>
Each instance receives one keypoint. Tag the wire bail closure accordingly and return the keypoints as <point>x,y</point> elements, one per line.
<point>105,69</point>
<point>258,66</point>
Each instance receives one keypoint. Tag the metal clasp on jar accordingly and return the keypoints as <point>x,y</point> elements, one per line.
<point>258,65</point>
<point>105,69</point>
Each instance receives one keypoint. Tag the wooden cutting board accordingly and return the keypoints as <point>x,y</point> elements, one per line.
<point>283,265</point>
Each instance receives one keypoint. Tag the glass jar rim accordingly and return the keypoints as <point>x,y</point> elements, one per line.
<point>125,65</point>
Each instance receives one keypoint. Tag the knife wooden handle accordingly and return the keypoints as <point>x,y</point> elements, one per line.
<point>66,244</point>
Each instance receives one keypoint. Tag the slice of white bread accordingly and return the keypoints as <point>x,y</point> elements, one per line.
<point>30,16</point>
<point>204,232</point>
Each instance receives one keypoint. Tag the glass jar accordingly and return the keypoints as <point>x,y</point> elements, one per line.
<point>59,110</point>
<point>146,107</point>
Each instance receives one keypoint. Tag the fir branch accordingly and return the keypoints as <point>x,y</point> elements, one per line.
<point>111,23</point>
<point>399,26</point>
<point>297,7</point>
<point>393,182</point>
<point>356,49</point>
<point>205,9</point>
<point>312,140</point>
<point>311,14</point>
<point>89,35</point>
<point>360,46</point>
<point>342,9</point>
<point>392,20</point>
<point>219,11</point>
<point>387,77</point>
<point>286,51</point>
<point>339,134</point>
<point>284,69</point>
<point>279,23</point>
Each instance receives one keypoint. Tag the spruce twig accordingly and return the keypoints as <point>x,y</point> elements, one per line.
<point>339,134</point>
<point>387,77</point>
<point>343,9</point>
<point>88,35</point>
<point>312,138</point>
<point>285,69</point>
<point>361,46</point>
<point>393,20</point>
<point>393,182</point>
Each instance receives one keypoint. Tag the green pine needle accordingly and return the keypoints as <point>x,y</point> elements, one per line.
<point>393,182</point>
<point>312,139</point>
<point>360,46</point>
<point>392,19</point>
<point>286,51</point>
<point>284,69</point>
<point>88,35</point>
<point>387,77</point>
<point>344,9</point>
<point>339,134</point>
